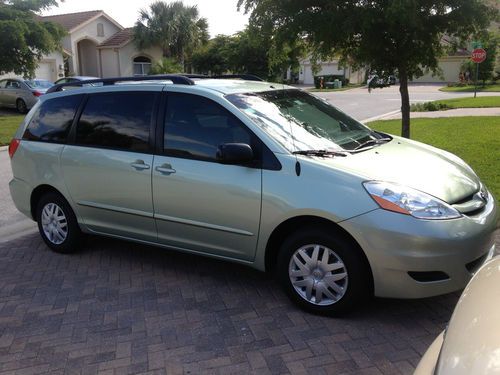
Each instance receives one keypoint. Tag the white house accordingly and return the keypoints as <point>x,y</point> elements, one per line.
<point>95,45</point>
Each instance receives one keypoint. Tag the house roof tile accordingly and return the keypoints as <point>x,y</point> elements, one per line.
<point>118,39</point>
<point>71,20</point>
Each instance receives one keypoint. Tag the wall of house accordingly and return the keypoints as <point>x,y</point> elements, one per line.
<point>450,67</point>
<point>110,61</point>
<point>129,52</point>
<point>89,31</point>
<point>306,75</point>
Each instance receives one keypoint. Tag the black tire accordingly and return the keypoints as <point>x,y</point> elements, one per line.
<point>357,286</point>
<point>21,106</point>
<point>72,240</point>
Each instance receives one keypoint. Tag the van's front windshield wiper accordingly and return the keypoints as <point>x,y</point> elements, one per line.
<point>372,142</point>
<point>319,153</point>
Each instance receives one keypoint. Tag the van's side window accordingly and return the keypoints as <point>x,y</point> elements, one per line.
<point>52,121</point>
<point>117,120</point>
<point>195,126</point>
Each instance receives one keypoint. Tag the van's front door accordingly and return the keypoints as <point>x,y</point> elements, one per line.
<point>200,204</point>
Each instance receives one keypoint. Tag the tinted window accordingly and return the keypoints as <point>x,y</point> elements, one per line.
<point>117,120</point>
<point>52,121</point>
<point>196,126</point>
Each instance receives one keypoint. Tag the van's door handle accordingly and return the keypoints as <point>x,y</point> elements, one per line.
<point>139,165</point>
<point>165,169</point>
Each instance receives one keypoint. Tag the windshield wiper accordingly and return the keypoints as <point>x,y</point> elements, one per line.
<point>372,142</point>
<point>319,153</point>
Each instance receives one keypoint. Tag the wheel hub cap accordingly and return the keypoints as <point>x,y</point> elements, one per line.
<point>54,223</point>
<point>318,274</point>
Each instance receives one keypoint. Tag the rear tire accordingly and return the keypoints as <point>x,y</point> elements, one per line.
<point>21,106</point>
<point>323,272</point>
<point>57,224</point>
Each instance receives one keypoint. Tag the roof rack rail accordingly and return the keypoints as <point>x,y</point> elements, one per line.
<point>178,79</point>
<point>246,77</point>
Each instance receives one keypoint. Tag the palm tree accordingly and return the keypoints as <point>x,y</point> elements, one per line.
<point>176,28</point>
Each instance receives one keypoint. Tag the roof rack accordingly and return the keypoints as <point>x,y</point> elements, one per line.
<point>246,77</point>
<point>177,79</point>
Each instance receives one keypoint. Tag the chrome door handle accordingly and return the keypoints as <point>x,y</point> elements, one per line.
<point>165,169</point>
<point>139,165</point>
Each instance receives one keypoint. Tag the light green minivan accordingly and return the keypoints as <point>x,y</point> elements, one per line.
<point>255,173</point>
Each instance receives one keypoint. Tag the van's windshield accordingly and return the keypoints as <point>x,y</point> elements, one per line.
<point>303,122</point>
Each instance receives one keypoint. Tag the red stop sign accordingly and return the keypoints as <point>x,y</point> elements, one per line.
<point>478,55</point>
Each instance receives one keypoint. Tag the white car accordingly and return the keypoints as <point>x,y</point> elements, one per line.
<point>470,345</point>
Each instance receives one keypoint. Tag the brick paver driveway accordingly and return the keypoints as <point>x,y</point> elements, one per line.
<point>119,308</point>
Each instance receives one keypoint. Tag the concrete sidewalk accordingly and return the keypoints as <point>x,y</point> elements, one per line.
<point>459,112</point>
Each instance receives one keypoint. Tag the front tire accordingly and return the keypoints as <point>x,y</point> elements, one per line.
<point>323,272</point>
<point>57,224</point>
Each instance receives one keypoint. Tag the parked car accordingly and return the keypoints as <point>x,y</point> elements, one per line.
<point>75,79</point>
<point>470,344</point>
<point>22,94</point>
<point>261,174</point>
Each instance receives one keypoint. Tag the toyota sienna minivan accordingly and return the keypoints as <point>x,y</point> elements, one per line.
<point>256,173</point>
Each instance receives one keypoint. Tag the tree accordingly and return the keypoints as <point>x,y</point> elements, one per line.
<point>176,28</point>
<point>166,66</point>
<point>249,51</point>
<point>387,35</point>
<point>25,39</point>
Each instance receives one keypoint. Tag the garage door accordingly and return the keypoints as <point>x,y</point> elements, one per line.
<point>45,70</point>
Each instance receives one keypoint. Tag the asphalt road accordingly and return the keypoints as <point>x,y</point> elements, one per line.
<point>362,105</point>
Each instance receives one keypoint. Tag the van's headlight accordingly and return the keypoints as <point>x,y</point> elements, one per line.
<point>408,201</point>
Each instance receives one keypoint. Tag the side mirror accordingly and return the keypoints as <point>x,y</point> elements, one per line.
<point>234,153</point>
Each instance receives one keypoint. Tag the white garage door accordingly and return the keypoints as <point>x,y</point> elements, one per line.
<point>45,70</point>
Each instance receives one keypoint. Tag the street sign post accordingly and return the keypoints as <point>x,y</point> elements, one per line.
<point>478,56</point>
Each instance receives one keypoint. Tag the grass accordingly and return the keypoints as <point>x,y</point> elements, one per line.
<point>470,88</point>
<point>440,105</point>
<point>8,127</point>
<point>348,87</point>
<point>474,139</point>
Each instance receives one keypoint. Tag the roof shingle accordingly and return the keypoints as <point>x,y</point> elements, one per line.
<point>71,20</point>
<point>119,39</point>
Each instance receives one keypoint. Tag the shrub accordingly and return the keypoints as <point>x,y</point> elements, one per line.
<point>428,107</point>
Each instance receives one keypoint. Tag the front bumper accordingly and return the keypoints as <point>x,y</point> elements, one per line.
<point>396,244</point>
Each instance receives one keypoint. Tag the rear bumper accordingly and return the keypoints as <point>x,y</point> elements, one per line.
<point>20,192</point>
<point>397,244</point>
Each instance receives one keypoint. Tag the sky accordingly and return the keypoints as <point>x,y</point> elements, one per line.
<point>223,18</point>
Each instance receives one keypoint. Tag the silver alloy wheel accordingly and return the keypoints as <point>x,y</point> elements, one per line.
<point>318,274</point>
<point>54,223</point>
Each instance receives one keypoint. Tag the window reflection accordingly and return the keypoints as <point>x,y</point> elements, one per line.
<point>52,121</point>
<point>300,121</point>
<point>117,120</point>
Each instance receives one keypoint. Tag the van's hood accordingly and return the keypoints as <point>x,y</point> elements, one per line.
<point>413,164</point>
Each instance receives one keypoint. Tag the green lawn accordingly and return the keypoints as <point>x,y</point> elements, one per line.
<point>479,102</point>
<point>470,88</point>
<point>474,139</point>
<point>8,126</point>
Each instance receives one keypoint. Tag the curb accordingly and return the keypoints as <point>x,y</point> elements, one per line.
<point>380,117</point>
<point>4,148</point>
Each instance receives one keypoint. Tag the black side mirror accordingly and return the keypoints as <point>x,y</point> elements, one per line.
<point>234,153</point>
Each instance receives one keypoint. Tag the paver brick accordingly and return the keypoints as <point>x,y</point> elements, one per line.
<point>121,308</point>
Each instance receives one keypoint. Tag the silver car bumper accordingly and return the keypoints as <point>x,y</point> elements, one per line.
<point>398,246</point>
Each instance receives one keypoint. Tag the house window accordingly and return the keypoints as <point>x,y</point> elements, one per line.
<point>100,29</point>
<point>142,66</point>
